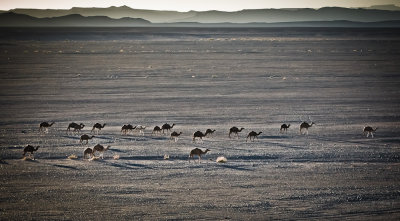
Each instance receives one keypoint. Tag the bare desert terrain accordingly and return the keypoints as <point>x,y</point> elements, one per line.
<point>200,78</point>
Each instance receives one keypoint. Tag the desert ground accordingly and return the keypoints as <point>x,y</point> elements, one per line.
<point>200,78</point>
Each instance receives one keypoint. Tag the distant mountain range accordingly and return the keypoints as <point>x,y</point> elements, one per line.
<point>10,19</point>
<point>375,16</point>
<point>385,7</point>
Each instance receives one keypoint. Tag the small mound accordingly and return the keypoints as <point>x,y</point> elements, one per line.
<point>72,157</point>
<point>116,157</point>
<point>166,157</point>
<point>221,159</point>
<point>94,158</point>
<point>27,159</point>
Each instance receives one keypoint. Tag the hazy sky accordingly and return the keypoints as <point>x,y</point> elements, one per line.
<point>186,5</point>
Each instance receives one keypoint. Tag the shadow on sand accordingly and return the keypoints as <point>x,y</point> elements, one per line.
<point>234,167</point>
<point>65,167</point>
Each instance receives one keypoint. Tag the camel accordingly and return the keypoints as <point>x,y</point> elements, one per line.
<point>209,131</point>
<point>126,128</point>
<point>140,129</point>
<point>284,128</point>
<point>167,127</point>
<point>198,134</point>
<point>305,126</point>
<point>44,127</point>
<point>235,130</point>
<point>77,127</point>
<point>253,135</point>
<point>175,135</point>
<point>101,149</point>
<point>156,129</point>
<point>87,152</point>
<point>85,137</point>
<point>30,149</point>
<point>369,130</point>
<point>197,152</point>
<point>97,126</point>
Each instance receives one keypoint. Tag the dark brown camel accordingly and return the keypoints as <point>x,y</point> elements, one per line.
<point>30,149</point>
<point>156,130</point>
<point>209,131</point>
<point>284,128</point>
<point>101,149</point>
<point>44,126</point>
<point>75,126</point>
<point>305,126</point>
<point>88,152</point>
<point>175,135</point>
<point>85,137</point>
<point>235,130</point>
<point>198,134</point>
<point>167,127</point>
<point>97,126</point>
<point>369,130</point>
<point>253,135</point>
<point>126,128</point>
<point>197,152</point>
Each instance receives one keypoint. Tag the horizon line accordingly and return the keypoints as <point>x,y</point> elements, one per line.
<point>121,6</point>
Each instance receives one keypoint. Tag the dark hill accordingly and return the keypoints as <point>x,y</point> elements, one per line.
<point>11,19</point>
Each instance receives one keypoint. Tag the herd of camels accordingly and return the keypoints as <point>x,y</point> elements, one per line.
<point>126,129</point>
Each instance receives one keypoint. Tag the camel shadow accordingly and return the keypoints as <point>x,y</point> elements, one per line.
<point>15,148</point>
<point>159,138</point>
<point>65,167</point>
<point>234,167</point>
<point>72,137</point>
<point>128,165</point>
<point>142,158</point>
<point>274,137</point>
<point>256,157</point>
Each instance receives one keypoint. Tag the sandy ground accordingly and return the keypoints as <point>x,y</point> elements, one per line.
<point>258,79</point>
